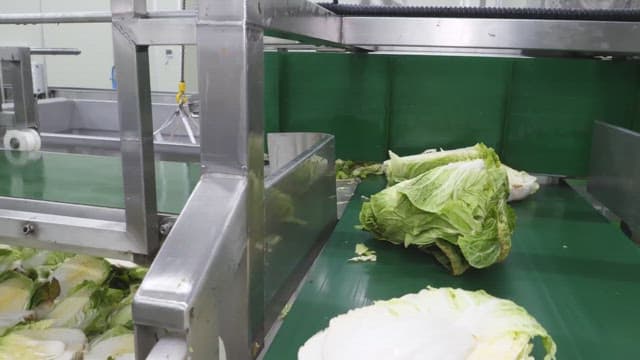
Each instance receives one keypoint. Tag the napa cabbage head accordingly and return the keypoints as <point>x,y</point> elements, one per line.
<point>458,212</point>
<point>444,324</point>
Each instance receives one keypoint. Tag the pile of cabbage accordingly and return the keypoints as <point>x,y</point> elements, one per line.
<point>451,204</point>
<point>441,324</point>
<point>59,306</point>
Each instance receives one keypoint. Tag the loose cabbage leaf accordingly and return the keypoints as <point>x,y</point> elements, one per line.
<point>15,292</point>
<point>78,269</point>
<point>15,295</point>
<point>347,169</point>
<point>86,307</point>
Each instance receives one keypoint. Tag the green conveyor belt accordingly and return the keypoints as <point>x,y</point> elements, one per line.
<point>569,267</point>
<point>89,179</point>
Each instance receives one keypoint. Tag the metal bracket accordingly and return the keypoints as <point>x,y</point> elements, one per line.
<point>15,64</point>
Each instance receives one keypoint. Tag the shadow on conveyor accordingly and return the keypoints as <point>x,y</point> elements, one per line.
<point>558,207</point>
<point>591,268</point>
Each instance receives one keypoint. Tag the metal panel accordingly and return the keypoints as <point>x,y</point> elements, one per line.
<point>136,130</point>
<point>159,31</point>
<point>300,19</point>
<point>62,209</point>
<point>294,230</point>
<point>614,174</point>
<point>66,227</point>
<point>15,64</point>
<point>286,147</point>
<point>63,233</point>
<point>57,114</point>
<point>592,36</point>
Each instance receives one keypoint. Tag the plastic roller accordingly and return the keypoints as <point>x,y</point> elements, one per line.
<point>22,140</point>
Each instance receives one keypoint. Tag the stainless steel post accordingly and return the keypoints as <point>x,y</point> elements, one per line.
<point>230,72</point>
<point>136,128</point>
<point>205,286</point>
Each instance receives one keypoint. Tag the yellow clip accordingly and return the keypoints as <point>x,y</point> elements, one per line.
<point>181,98</point>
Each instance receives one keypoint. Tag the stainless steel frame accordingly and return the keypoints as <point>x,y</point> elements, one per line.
<point>562,35</point>
<point>205,286</point>
<point>136,129</point>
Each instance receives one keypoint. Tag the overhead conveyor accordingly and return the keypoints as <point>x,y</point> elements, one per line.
<point>225,255</point>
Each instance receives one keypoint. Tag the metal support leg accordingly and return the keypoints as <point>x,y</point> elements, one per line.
<point>230,72</point>
<point>136,128</point>
<point>206,281</point>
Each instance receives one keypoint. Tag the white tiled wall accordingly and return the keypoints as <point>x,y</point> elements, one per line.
<point>92,69</point>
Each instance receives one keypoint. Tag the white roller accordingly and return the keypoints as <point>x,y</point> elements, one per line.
<point>22,140</point>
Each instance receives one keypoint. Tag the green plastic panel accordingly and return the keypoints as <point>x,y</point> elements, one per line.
<point>89,180</point>
<point>553,106</point>
<point>272,93</point>
<point>538,113</point>
<point>337,94</point>
<point>441,102</point>
<point>569,267</point>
